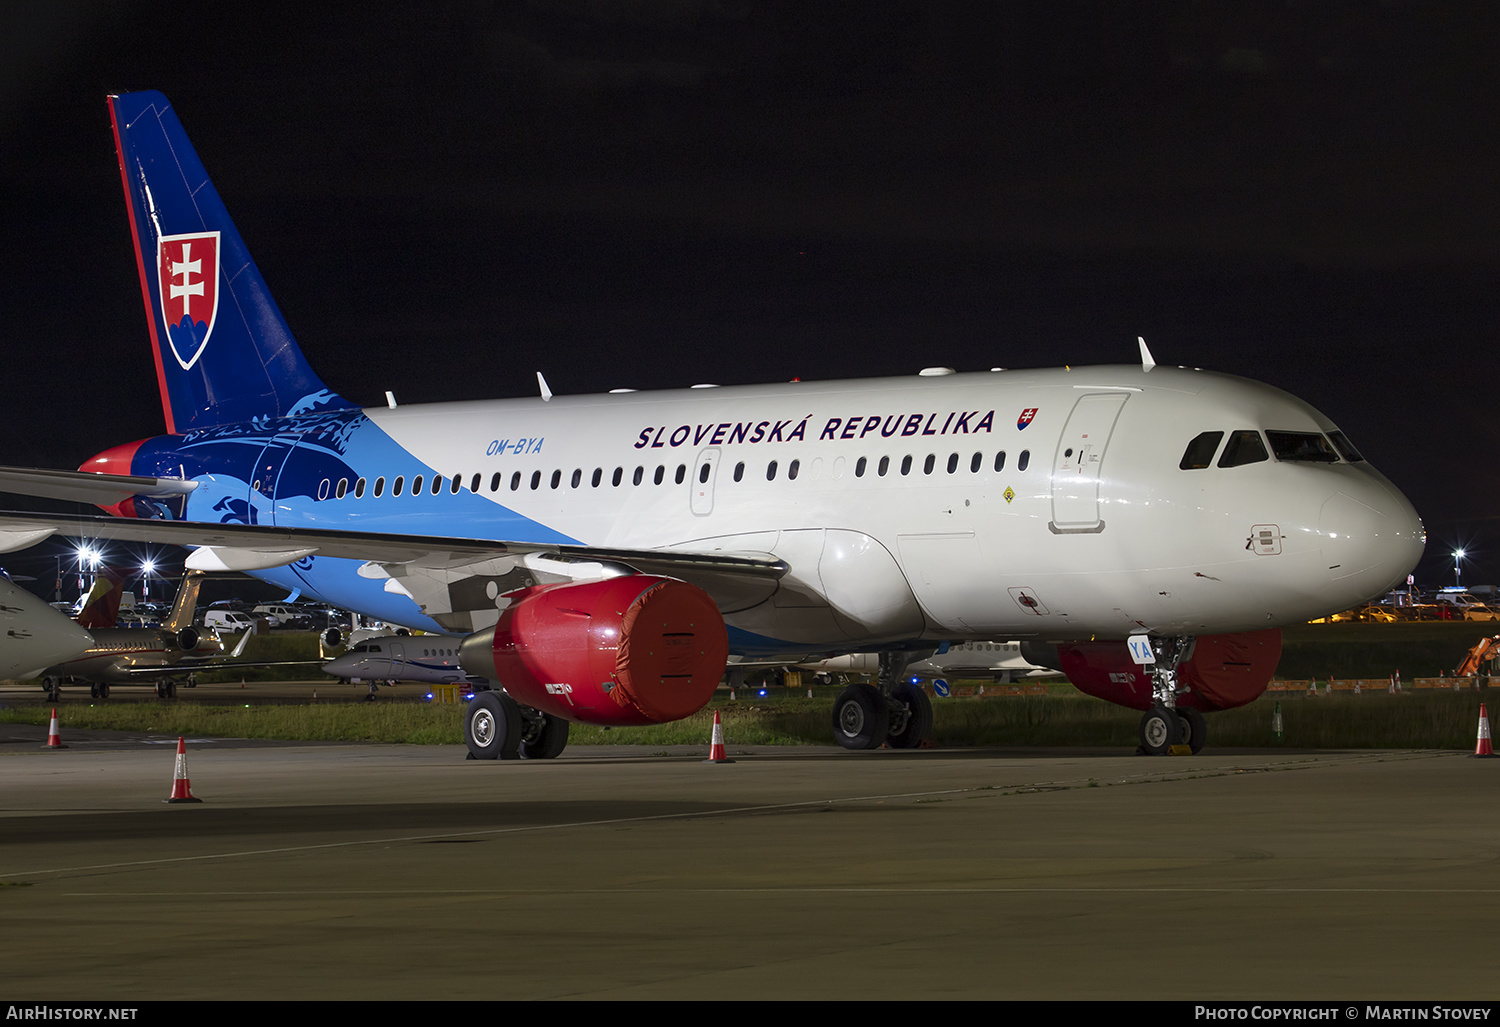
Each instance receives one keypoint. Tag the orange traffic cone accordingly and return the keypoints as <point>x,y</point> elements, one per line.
<point>716,753</point>
<point>182,789</point>
<point>1482,746</point>
<point>54,739</point>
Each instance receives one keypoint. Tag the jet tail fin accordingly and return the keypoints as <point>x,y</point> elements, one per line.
<point>186,606</point>
<point>102,608</point>
<point>224,354</point>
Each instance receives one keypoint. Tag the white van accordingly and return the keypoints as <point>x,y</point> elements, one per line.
<point>232,621</point>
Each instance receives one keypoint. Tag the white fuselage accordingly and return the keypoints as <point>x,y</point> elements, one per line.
<point>1023,504</point>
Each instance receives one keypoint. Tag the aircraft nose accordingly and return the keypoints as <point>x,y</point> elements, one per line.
<point>1372,537</point>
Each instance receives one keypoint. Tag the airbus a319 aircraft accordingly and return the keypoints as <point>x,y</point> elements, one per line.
<point>601,556</point>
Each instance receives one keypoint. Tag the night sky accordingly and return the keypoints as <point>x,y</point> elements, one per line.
<point>446,198</point>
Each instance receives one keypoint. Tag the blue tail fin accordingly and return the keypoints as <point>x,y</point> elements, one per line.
<point>223,352</point>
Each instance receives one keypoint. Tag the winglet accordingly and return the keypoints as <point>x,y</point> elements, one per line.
<point>1147,361</point>
<point>542,384</point>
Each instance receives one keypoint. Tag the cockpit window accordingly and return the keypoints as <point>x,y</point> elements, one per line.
<point>1244,447</point>
<point>1345,447</point>
<point>1200,452</point>
<point>1304,446</point>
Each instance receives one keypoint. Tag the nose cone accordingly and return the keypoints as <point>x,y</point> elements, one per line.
<point>36,636</point>
<point>1372,538</point>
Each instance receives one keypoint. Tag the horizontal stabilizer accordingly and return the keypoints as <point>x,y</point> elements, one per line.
<point>87,487</point>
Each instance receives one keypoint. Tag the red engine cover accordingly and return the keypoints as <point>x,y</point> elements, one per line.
<point>636,649</point>
<point>1225,671</point>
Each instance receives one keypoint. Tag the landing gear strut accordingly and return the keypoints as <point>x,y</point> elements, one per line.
<point>1164,725</point>
<point>897,713</point>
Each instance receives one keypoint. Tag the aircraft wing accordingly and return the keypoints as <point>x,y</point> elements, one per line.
<point>735,580</point>
<point>87,487</point>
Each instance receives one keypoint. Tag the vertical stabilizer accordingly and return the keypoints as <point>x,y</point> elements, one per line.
<point>102,607</point>
<point>223,352</point>
<point>186,606</point>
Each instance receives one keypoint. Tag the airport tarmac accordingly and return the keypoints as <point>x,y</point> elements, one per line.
<point>407,872</point>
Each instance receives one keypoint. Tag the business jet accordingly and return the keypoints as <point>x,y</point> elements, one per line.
<point>33,635</point>
<point>134,656</point>
<point>602,556</point>
<point>425,659</point>
<point>994,661</point>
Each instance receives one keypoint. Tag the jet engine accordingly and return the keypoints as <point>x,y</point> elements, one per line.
<point>635,649</point>
<point>1222,672</point>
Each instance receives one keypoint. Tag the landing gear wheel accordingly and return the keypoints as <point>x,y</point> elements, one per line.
<point>1160,728</point>
<point>53,688</point>
<point>861,719</point>
<point>918,718</point>
<point>544,738</point>
<point>161,689</point>
<point>104,691</point>
<point>93,691</point>
<point>492,727</point>
<point>192,681</point>
<point>171,689</point>
<point>1194,730</point>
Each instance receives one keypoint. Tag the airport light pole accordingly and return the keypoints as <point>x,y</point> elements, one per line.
<point>1458,554</point>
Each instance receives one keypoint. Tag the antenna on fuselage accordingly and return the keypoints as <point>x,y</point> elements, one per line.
<point>1147,360</point>
<point>542,384</point>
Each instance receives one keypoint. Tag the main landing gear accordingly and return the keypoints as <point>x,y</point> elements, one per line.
<point>496,727</point>
<point>1164,724</point>
<point>897,713</point>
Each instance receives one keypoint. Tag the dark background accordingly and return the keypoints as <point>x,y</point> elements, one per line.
<point>446,198</point>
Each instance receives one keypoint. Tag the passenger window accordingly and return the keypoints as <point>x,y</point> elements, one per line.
<point>1244,447</point>
<point>515,482</point>
<point>556,478</point>
<point>597,478</point>
<point>359,489</point>
<point>474,484</point>
<point>791,470</point>
<point>1023,459</point>
<point>619,476</point>
<point>639,473</point>
<point>396,486</point>
<point>976,463</point>
<point>495,482</point>
<point>906,465</point>
<point>536,480</point>
<point>379,486</point>
<point>771,471</point>
<point>416,486</point>
<point>703,472</point>
<point>1200,452</point>
<point>343,487</point>
<point>458,484</point>
<point>885,465</point>
<point>859,468</point>
<point>660,470</point>
<point>1000,460</point>
<point>927,464</point>
<point>577,477</point>
<point>681,473</point>
<point>739,471</point>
